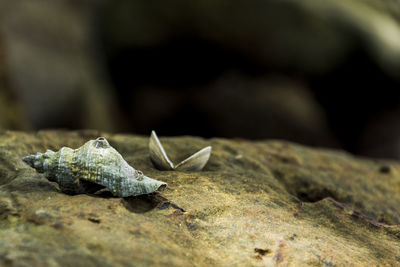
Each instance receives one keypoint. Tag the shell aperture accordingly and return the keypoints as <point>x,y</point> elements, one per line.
<point>93,166</point>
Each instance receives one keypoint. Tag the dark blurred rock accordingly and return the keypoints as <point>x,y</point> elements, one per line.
<point>347,54</point>
<point>307,36</point>
<point>235,106</point>
<point>265,107</point>
<point>11,115</point>
<point>381,136</point>
<point>54,65</point>
<point>255,204</point>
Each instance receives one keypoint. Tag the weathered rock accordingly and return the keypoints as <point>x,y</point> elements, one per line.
<point>255,203</point>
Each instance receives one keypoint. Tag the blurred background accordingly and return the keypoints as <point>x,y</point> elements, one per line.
<point>320,73</point>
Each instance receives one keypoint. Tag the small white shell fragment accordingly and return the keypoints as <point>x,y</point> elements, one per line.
<point>41,211</point>
<point>158,156</point>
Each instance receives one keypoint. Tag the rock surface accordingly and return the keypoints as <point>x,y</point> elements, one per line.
<point>255,204</point>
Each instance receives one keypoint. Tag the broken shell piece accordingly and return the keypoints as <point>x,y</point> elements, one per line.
<point>158,156</point>
<point>91,167</point>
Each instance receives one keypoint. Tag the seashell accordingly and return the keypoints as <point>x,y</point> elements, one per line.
<point>158,156</point>
<point>93,166</point>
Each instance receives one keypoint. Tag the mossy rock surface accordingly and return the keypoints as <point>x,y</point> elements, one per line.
<point>255,204</point>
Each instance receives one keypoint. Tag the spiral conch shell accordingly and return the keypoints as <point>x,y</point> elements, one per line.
<point>91,167</point>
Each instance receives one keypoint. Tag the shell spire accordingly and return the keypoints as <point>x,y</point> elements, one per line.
<point>91,167</point>
<point>39,160</point>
